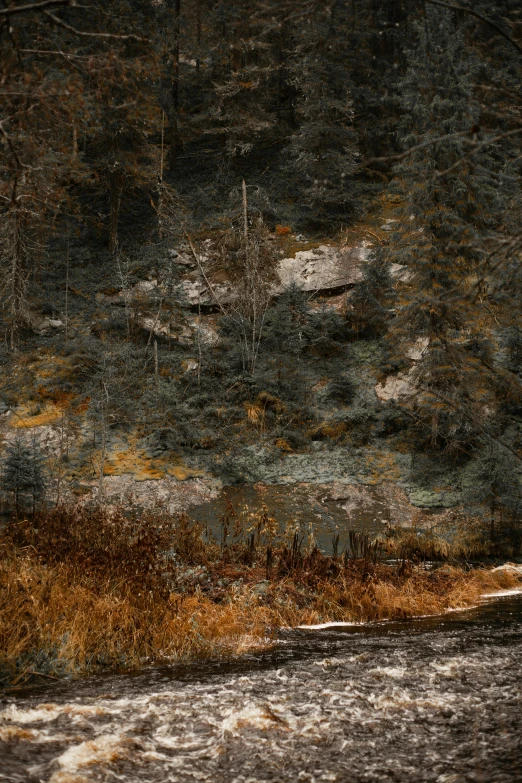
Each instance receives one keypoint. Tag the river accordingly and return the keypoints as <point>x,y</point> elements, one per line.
<point>436,699</point>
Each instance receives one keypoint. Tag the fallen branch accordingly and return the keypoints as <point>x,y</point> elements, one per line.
<point>205,278</point>
<point>472,12</point>
<point>112,36</point>
<point>20,9</point>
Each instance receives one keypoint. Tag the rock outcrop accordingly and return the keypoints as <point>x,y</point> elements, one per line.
<point>324,269</point>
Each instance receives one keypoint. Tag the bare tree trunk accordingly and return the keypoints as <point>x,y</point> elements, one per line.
<point>126,294</point>
<point>245,215</point>
<point>162,146</point>
<point>198,38</point>
<point>198,337</point>
<point>174,131</point>
<point>67,289</point>
<point>101,484</point>
<point>156,366</point>
<point>116,189</point>
<point>74,142</point>
<point>16,251</point>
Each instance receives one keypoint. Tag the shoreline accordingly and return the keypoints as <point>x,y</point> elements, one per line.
<point>103,632</point>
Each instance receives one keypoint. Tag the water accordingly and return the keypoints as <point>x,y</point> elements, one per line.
<point>328,509</point>
<point>437,699</point>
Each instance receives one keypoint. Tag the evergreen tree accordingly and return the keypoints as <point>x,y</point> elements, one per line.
<point>373,296</point>
<point>23,472</point>
<point>495,483</point>
<point>323,148</point>
<point>449,204</point>
<point>287,323</point>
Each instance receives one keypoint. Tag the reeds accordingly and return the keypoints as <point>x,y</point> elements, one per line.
<point>83,590</point>
<point>56,621</point>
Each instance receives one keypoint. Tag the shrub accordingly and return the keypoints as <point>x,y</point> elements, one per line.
<point>342,390</point>
<point>23,472</point>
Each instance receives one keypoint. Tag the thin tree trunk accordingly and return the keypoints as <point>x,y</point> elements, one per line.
<point>74,142</point>
<point>198,38</point>
<point>156,366</point>
<point>174,138</point>
<point>60,459</point>
<point>162,161</point>
<point>198,337</point>
<point>16,247</point>
<point>116,189</point>
<point>67,289</point>
<point>101,486</point>
<point>245,215</point>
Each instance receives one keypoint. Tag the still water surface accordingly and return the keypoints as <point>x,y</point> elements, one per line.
<point>327,509</point>
<point>437,699</point>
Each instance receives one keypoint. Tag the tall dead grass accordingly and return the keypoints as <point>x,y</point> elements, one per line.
<point>80,591</point>
<point>56,620</point>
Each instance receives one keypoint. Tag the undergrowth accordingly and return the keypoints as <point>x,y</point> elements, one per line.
<point>85,589</point>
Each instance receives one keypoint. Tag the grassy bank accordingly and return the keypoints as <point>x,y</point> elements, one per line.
<point>81,591</point>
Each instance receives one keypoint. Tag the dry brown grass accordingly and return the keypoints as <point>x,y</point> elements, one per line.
<point>382,594</point>
<point>83,590</point>
<point>54,620</point>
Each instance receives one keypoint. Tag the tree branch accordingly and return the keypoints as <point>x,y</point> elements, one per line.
<point>482,18</point>
<point>200,267</point>
<point>474,420</point>
<point>478,148</point>
<point>429,143</point>
<point>20,9</point>
<point>60,23</point>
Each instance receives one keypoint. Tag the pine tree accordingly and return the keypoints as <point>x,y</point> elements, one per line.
<point>370,305</point>
<point>23,472</point>
<point>449,204</point>
<point>323,149</point>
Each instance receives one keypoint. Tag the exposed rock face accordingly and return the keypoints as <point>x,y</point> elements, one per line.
<point>400,272</point>
<point>195,292</point>
<point>172,494</point>
<point>390,225</point>
<point>325,268</point>
<point>417,350</point>
<point>44,325</point>
<point>395,387</point>
<point>402,385</point>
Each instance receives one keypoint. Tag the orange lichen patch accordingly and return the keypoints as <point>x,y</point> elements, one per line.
<point>381,467</point>
<point>150,473</point>
<point>283,444</point>
<point>328,431</point>
<point>182,473</point>
<point>24,420</point>
<point>59,397</point>
<point>130,459</point>
<point>321,384</point>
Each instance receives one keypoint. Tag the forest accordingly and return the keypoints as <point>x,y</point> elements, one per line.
<point>271,242</point>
